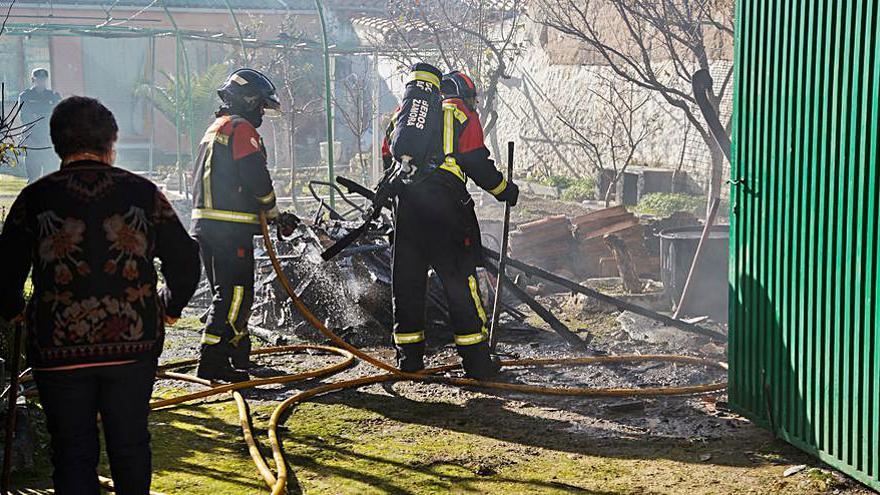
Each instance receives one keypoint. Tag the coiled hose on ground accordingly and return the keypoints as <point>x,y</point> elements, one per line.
<point>276,481</point>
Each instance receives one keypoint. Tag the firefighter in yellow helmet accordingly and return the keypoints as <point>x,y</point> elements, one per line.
<point>231,187</point>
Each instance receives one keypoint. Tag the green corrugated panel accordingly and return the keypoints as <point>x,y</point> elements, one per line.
<point>804,272</point>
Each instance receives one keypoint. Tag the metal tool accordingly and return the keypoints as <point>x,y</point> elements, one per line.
<point>502,258</point>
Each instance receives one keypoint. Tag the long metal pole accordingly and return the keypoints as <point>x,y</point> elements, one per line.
<point>617,303</point>
<point>152,158</point>
<point>377,132</point>
<point>502,259</point>
<point>181,50</point>
<point>328,101</point>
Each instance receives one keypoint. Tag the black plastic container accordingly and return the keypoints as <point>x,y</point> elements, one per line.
<point>708,292</point>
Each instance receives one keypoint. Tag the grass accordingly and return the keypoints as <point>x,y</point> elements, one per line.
<point>373,443</point>
<point>10,186</point>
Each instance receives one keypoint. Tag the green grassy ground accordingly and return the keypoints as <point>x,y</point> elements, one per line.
<point>373,443</point>
<point>381,442</point>
<point>10,186</point>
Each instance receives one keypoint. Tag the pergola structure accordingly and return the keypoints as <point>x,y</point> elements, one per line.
<point>110,28</point>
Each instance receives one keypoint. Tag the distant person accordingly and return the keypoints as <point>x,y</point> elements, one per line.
<point>96,319</point>
<point>37,103</point>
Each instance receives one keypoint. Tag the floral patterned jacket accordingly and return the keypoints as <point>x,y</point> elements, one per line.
<point>91,232</point>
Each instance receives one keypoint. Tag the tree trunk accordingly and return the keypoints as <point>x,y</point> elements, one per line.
<point>625,265</point>
<point>607,196</point>
<point>716,175</point>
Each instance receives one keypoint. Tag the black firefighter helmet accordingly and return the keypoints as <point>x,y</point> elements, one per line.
<point>249,91</point>
<point>458,85</point>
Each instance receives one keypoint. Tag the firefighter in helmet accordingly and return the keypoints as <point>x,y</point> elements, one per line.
<point>436,227</point>
<point>231,188</point>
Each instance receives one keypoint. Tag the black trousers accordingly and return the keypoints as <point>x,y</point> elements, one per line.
<point>435,226</point>
<point>229,267</point>
<point>72,401</point>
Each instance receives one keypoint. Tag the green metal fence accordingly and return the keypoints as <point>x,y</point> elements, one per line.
<point>805,343</point>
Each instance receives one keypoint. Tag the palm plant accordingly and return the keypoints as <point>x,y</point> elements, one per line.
<point>193,103</point>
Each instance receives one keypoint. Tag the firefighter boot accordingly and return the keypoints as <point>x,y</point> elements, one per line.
<point>411,357</point>
<point>478,364</point>
<point>214,365</point>
<point>241,353</point>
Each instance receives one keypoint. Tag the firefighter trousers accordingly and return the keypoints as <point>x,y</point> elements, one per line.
<point>229,267</point>
<point>435,227</point>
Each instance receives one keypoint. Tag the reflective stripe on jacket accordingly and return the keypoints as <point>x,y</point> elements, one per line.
<point>231,183</point>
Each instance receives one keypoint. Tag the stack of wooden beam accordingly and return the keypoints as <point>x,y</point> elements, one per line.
<point>546,243</point>
<point>593,258</point>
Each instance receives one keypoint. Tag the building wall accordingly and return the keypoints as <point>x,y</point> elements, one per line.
<point>551,79</point>
<point>84,65</point>
<point>67,65</point>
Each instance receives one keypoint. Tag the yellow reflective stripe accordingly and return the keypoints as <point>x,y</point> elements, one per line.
<point>475,294</point>
<point>267,198</point>
<point>235,307</point>
<point>452,166</point>
<point>225,216</point>
<point>495,191</point>
<point>206,177</point>
<point>222,139</point>
<point>470,339</point>
<point>209,339</point>
<point>448,130</point>
<point>421,75</point>
<point>409,338</point>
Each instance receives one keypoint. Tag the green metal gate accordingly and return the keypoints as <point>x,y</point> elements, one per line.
<point>805,340</point>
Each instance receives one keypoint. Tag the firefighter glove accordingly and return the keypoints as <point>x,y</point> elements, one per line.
<point>510,194</point>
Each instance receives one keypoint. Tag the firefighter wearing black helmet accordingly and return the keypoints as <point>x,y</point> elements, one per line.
<point>436,227</point>
<point>231,187</point>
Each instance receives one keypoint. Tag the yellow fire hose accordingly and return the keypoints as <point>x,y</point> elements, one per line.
<point>277,481</point>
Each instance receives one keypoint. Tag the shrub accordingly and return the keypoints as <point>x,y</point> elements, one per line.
<point>665,204</point>
<point>580,190</point>
<point>571,189</point>
<point>559,181</point>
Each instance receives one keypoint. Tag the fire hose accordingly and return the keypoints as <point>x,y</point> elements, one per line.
<point>277,481</point>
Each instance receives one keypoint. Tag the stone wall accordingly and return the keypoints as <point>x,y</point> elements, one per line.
<point>551,79</point>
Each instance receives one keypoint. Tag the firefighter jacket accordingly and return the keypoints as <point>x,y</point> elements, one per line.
<point>466,155</point>
<point>231,184</point>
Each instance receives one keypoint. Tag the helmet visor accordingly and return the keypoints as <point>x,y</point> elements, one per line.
<point>272,106</point>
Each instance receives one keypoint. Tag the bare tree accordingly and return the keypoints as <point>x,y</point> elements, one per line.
<point>355,106</point>
<point>656,45</point>
<point>620,121</point>
<point>478,37</point>
<point>293,72</point>
<point>12,134</point>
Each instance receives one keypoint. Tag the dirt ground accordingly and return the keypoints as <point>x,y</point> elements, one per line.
<point>409,438</point>
<point>416,438</point>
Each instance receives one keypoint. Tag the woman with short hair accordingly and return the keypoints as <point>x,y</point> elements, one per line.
<point>88,235</point>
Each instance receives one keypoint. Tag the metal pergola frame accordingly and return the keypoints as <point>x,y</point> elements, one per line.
<point>107,30</point>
